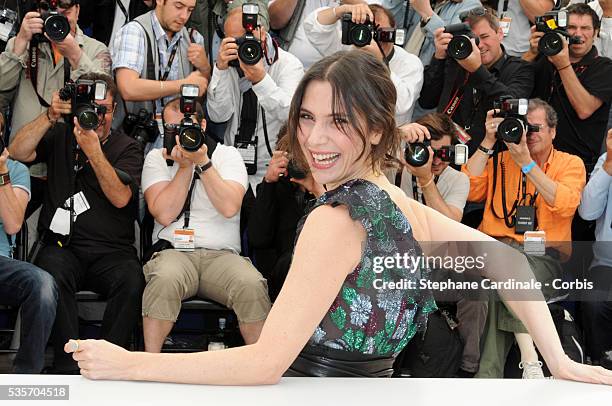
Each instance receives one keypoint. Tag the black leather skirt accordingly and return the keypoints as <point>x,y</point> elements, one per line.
<point>328,362</point>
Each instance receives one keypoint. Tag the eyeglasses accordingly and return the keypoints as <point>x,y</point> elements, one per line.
<point>476,12</point>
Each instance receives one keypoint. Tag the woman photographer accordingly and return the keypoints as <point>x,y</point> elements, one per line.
<point>328,319</point>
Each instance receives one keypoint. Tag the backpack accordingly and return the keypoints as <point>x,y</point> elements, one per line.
<point>434,353</point>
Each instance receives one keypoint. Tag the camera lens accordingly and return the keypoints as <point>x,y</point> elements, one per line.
<point>250,51</point>
<point>550,44</point>
<point>416,154</point>
<point>191,139</point>
<point>361,35</point>
<point>87,117</point>
<point>511,130</point>
<point>460,47</point>
<point>57,27</point>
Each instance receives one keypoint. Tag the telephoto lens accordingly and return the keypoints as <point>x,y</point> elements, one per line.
<point>88,117</point>
<point>417,153</point>
<point>191,137</point>
<point>511,130</point>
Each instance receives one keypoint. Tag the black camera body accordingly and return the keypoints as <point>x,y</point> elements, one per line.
<point>141,126</point>
<point>514,112</point>
<point>361,35</point>
<point>55,25</point>
<point>553,24</point>
<point>250,51</point>
<point>417,153</point>
<point>460,46</point>
<point>83,95</point>
<point>190,134</point>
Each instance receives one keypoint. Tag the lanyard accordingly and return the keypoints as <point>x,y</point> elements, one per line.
<point>187,206</point>
<point>163,74</point>
<point>524,191</point>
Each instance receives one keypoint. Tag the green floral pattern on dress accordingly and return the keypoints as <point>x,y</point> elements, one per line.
<point>364,319</point>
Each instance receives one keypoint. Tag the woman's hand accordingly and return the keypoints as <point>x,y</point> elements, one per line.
<point>99,359</point>
<point>574,371</point>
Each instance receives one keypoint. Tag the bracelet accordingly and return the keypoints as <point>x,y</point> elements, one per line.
<point>49,118</point>
<point>527,168</point>
<point>161,87</point>
<point>485,150</point>
<point>567,66</point>
<point>427,184</point>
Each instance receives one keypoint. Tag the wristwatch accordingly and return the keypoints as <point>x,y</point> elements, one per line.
<point>486,150</point>
<point>425,21</point>
<point>200,169</point>
<point>5,179</point>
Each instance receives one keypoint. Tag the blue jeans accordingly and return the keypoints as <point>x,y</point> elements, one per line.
<point>23,284</point>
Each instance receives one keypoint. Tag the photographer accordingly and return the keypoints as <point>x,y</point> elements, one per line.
<point>435,184</point>
<point>324,30</point>
<point>86,225</point>
<point>539,189</point>
<point>282,200</point>
<point>577,83</point>
<point>196,204</point>
<point>253,98</point>
<point>425,17</point>
<point>153,55</point>
<point>444,189</point>
<point>209,17</point>
<point>35,84</point>
<point>22,284</point>
<point>464,89</point>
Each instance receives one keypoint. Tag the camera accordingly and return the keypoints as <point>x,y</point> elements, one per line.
<point>141,126</point>
<point>514,112</point>
<point>83,95</point>
<point>8,23</point>
<point>249,48</point>
<point>417,154</point>
<point>190,134</point>
<point>460,46</point>
<point>553,24</point>
<point>55,25</point>
<point>361,35</point>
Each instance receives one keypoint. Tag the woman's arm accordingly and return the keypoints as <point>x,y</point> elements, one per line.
<point>506,262</point>
<point>311,286</point>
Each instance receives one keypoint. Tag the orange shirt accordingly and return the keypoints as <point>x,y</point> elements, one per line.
<point>556,220</point>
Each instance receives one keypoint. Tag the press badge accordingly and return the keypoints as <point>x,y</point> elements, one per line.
<point>60,224</point>
<point>248,152</point>
<point>535,243</point>
<point>79,202</point>
<point>525,219</point>
<point>504,24</point>
<point>184,239</point>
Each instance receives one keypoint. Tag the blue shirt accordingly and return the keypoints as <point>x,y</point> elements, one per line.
<point>20,178</point>
<point>597,205</point>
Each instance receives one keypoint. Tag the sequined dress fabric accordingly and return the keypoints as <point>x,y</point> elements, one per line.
<point>366,327</point>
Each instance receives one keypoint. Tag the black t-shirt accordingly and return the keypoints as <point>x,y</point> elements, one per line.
<point>103,228</point>
<point>575,136</point>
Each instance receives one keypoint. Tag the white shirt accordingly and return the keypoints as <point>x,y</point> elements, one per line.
<point>212,229</point>
<point>274,93</point>
<point>301,46</point>
<point>516,43</point>
<point>603,43</point>
<point>454,186</point>
<point>406,69</point>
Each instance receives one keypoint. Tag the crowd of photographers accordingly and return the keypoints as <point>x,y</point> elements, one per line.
<point>171,114</point>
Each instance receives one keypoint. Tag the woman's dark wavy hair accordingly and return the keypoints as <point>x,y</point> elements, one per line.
<point>363,93</point>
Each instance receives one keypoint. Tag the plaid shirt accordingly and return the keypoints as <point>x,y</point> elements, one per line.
<point>127,50</point>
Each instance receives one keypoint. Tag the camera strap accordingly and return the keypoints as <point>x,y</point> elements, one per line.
<point>187,206</point>
<point>455,100</point>
<point>123,10</point>
<point>508,214</point>
<point>163,75</point>
<point>32,73</point>
<point>265,129</point>
<point>11,243</point>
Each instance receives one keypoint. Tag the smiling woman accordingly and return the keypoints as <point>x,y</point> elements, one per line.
<point>331,318</point>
